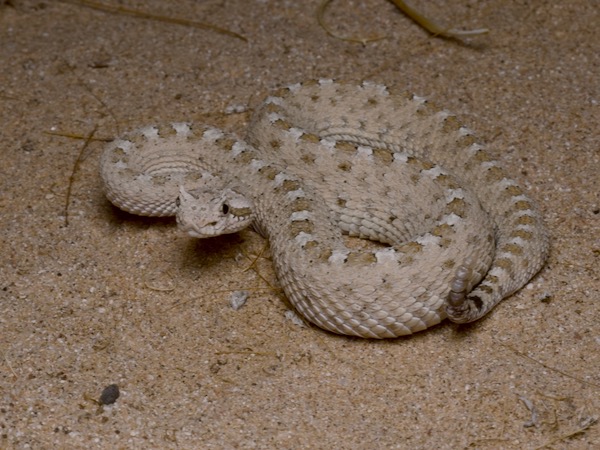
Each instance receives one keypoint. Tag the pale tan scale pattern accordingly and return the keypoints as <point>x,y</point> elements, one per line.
<point>370,114</point>
<point>322,159</point>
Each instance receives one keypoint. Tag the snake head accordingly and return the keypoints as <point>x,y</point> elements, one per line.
<point>205,212</point>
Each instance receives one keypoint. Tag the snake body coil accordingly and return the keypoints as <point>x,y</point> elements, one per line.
<point>323,158</point>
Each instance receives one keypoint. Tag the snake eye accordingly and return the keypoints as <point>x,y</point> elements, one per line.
<point>225,208</point>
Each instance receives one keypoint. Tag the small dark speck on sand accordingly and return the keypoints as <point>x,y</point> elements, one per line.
<point>109,395</point>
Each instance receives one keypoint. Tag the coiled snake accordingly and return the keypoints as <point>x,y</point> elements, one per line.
<point>324,158</point>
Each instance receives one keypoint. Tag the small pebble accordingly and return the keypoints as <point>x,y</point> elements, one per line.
<point>293,317</point>
<point>233,109</point>
<point>238,299</point>
<point>109,395</point>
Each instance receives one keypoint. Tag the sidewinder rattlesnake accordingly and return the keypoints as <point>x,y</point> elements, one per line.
<point>323,158</point>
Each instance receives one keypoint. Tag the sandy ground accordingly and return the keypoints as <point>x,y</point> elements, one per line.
<point>90,296</point>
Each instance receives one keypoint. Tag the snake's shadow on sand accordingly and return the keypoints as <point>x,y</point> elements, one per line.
<point>203,253</point>
<point>118,218</point>
<point>446,331</point>
<point>194,252</point>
